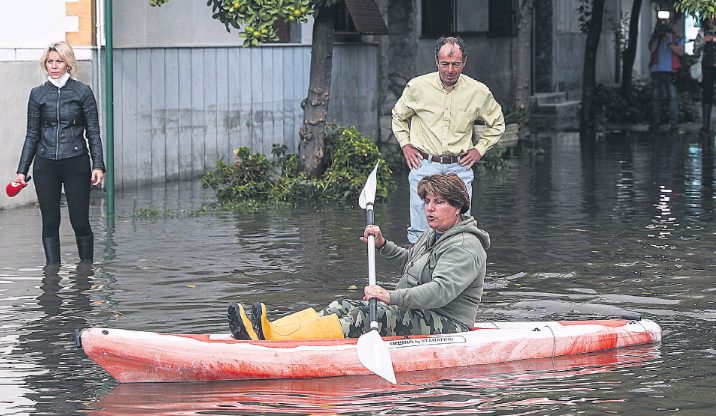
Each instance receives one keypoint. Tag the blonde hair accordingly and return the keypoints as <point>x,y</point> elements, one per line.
<point>66,53</point>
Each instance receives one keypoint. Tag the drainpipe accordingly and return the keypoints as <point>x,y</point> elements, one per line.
<point>109,107</point>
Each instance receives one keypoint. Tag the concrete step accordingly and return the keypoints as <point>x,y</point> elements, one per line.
<point>544,98</point>
<point>509,138</point>
<point>551,122</point>
<point>564,108</point>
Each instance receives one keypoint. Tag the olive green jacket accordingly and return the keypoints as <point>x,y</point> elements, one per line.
<point>445,276</point>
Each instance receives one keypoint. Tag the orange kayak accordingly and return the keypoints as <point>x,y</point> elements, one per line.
<point>137,356</point>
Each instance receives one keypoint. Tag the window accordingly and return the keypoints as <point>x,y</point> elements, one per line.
<point>503,18</point>
<point>283,30</point>
<point>450,17</point>
<point>437,18</point>
<point>343,23</point>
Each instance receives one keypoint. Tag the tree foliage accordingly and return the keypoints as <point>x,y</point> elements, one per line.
<point>256,19</point>
<point>700,9</point>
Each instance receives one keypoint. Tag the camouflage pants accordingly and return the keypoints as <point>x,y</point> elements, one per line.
<point>354,316</point>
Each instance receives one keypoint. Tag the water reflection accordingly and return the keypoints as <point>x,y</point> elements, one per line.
<point>531,386</point>
<point>50,378</point>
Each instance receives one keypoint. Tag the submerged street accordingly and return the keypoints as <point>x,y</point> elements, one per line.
<point>578,232</point>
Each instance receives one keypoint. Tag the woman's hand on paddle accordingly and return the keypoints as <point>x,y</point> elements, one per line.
<point>373,230</point>
<point>20,178</point>
<point>377,292</point>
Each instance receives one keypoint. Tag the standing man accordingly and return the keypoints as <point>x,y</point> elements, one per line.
<point>666,47</point>
<point>433,121</point>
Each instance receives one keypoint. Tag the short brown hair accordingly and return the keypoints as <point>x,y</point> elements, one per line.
<point>452,40</point>
<point>448,186</point>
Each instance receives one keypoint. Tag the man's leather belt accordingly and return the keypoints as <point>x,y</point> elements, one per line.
<point>440,159</point>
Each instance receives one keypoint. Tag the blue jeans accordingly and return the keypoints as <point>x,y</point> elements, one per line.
<point>418,222</point>
<point>662,84</point>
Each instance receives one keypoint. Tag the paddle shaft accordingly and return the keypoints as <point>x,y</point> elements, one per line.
<point>372,351</point>
<point>373,302</point>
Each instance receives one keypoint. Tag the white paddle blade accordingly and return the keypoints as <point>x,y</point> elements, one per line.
<point>367,195</point>
<point>374,354</point>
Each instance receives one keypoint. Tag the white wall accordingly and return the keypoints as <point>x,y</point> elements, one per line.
<point>34,23</point>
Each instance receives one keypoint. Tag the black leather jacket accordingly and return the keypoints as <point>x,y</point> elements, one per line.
<point>57,119</point>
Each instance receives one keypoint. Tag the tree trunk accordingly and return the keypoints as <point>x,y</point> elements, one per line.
<point>630,51</point>
<point>587,122</point>
<point>315,106</point>
<point>523,58</point>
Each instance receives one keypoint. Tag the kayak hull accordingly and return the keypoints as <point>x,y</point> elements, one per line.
<point>137,356</point>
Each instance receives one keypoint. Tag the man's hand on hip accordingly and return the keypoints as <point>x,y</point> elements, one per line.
<point>471,157</point>
<point>412,156</point>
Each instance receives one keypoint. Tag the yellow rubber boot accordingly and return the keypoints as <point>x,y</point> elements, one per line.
<point>288,323</point>
<point>311,327</point>
<point>307,314</point>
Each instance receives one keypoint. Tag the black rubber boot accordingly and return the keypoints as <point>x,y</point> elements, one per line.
<point>239,323</point>
<point>52,250</point>
<point>85,247</point>
<point>706,116</point>
<point>258,315</point>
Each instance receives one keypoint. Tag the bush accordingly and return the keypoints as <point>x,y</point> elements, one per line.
<point>613,108</point>
<point>349,159</point>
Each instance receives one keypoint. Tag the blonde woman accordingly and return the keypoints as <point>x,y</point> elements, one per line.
<point>63,140</point>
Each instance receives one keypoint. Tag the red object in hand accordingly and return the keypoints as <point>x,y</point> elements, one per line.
<point>13,188</point>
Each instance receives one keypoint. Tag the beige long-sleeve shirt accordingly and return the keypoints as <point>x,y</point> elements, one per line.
<point>440,122</point>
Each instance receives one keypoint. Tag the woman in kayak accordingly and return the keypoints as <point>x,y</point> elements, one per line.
<point>441,284</point>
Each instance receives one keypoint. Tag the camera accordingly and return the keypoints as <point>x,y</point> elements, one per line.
<point>662,26</point>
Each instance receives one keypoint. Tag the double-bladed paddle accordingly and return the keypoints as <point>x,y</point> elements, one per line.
<point>373,352</point>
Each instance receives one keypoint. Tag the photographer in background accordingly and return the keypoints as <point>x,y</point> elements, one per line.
<point>666,47</point>
<point>706,45</point>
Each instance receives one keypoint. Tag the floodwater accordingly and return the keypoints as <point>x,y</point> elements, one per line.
<point>627,227</point>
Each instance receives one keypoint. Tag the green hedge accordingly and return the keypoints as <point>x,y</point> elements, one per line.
<point>349,159</point>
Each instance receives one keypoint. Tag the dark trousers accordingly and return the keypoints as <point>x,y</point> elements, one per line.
<point>662,84</point>
<point>707,84</point>
<point>708,73</point>
<point>49,176</point>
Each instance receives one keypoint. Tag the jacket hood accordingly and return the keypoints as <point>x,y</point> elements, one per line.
<point>468,225</point>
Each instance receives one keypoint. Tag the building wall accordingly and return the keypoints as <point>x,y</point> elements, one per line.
<point>185,92</point>
<point>178,110</point>
<point>82,13</point>
<point>34,24</point>
<point>568,42</point>
<point>178,23</point>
